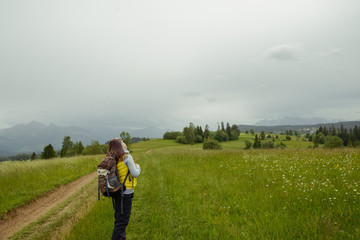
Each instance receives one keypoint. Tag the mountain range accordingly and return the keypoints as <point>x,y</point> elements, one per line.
<point>34,136</point>
<point>293,121</point>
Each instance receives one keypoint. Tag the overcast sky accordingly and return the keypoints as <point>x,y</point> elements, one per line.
<point>165,63</point>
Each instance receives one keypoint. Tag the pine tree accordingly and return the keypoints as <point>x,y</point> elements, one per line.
<point>48,152</point>
<point>67,145</point>
<point>206,132</point>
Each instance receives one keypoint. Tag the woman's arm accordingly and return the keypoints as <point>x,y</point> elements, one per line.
<point>134,169</point>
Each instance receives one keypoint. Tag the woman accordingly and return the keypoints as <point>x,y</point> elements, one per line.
<point>129,170</point>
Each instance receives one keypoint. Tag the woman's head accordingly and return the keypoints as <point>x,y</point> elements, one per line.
<point>115,149</point>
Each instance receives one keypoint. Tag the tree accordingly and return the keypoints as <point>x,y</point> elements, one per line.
<point>319,138</point>
<point>125,136</point>
<point>257,142</point>
<point>228,130</point>
<point>222,126</point>
<point>262,134</point>
<point>206,132</point>
<point>189,133</point>
<point>33,156</point>
<point>252,131</point>
<point>221,136</point>
<point>93,149</point>
<point>67,144</point>
<point>76,149</point>
<point>48,152</point>
<point>235,132</point>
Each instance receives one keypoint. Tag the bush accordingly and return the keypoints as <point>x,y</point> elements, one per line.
<point>267,145</point>
<point>181,139</point>
<point>211,144</point>
<point>280,145</point>
<point>333,142</point>
<point>198,139</point>
<point>171,135</point>
<point>288,138</point>
<point>248,144</point>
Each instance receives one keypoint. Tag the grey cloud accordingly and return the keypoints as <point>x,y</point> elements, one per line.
<point>129,67</point>
<point>192,94</point>
<point>332,52</point>
<point>211,100</point>
<point>285,52</point>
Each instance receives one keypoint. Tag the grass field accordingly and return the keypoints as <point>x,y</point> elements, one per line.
<point>21,182</point>
<point>186,193</point>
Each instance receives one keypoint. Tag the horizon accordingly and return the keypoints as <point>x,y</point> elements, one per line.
<point>159,128</point>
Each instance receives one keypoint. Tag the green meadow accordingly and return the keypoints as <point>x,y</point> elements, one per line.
<point>24,181</point>
<point>185,192</point>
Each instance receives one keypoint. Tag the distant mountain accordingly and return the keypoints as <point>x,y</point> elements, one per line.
<point>301,128</point>
<point>291,121</point>
<point>150,132</point>
<point>34,136</point>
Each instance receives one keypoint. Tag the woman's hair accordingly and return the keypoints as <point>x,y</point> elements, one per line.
<point>115,149</point>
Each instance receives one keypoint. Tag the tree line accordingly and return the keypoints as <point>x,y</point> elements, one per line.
<point>195,134</point>
<point>336,137</point>
<point>70,149</point>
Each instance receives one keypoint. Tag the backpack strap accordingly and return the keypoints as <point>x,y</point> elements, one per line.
<point>122,192</point>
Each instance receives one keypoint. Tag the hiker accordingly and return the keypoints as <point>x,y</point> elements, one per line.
<point>129,170</point>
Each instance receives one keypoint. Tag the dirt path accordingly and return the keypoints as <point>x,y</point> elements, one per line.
<point>22,216</point>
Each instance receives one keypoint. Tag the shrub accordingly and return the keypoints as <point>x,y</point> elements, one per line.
<point>333,142</point>
<point>288,138</point>
<point>211,144</point>
<point>280,145</point>
<point>181,139</point>
<point>171,135</point>
<point>248,144</point>
<point>267,145</point>
<point>198,139</point>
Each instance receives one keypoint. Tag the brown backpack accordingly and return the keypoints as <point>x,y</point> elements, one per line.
<point>108,177</point>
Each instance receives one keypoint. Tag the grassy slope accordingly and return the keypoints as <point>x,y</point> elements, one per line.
<point>21,182</point>
<point>187,193</point>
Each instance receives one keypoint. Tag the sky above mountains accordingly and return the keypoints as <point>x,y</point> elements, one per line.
<point>166,63</point>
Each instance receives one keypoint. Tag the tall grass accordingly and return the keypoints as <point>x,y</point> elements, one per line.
<point>21,182</point>
<point>187,193</point>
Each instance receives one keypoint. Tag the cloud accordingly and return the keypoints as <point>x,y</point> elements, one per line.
<point>221,77</point>
<point>192,94</point>
<point>285,52</point>
<point>332,52</point>
<point>211,100</point>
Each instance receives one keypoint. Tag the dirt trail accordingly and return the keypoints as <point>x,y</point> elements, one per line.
<point>22,216</point>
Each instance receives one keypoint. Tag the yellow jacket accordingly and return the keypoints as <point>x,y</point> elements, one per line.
<point>123,170</point>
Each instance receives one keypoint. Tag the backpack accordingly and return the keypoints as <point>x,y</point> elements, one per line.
<point>108,177</point>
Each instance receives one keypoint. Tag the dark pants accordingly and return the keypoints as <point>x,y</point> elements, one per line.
<point>122,220</point>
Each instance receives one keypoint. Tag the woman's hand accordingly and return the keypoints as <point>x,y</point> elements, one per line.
<point>123,145</point>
